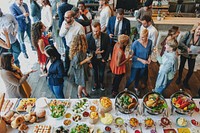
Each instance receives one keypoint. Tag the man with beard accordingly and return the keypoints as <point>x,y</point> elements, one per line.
<point>68,29</point>
<point>9,22</point>
<point>99,45</point>
<point>153,33</point>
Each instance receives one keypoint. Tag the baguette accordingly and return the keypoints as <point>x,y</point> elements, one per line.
<point>2,98</point>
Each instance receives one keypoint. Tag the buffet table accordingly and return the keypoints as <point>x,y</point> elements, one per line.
<point>56,123</point>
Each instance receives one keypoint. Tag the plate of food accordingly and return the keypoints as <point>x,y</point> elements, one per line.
<point>56,102</point>
<point>8,104</point>
<point>81,105</point>
<point>61,129</point>
<point>169,130</point>
<point>57,111</point>
<point>183,102</point>
<point>42,129</point>
<point>26,105</point>
<point>105,104</point>
<point>195,123</point>
<point>149,122</point>
<point>154,103</point>
<point>80,128</point>
<point>181,122</point>
<point>126,102</point>
<point>133,122</point>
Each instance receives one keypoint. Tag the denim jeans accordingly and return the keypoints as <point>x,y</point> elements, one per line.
<point>57,90</point>
<point>21,37</point>
<point>161,88</point>
<point>98,70</point>
<point>15,50</point>
<point>136,75</point>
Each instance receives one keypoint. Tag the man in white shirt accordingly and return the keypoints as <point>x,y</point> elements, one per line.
<point>69,29</point>
<point>105,14</point>
<point>153,33</point>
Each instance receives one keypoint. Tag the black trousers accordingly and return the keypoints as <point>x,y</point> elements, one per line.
<point>116,82</point>
<point>98,71</point>
<point>191,64</point>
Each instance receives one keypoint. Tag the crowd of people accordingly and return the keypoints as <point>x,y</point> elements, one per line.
<point>88,45</point>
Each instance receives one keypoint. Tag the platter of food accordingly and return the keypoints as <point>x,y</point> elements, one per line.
<point>169,130</point>
<point>61,129</point>
<point>25,105</point>
<point>80,105</point>
<point>154,102</point>
<point>182,102</point>
<point>105,104</point>
<point>56,102</point>
<point>57,111</point>
<point>8,104</point>
<point>42,129</point>
<point>80,128</point>
<point>126,102</point>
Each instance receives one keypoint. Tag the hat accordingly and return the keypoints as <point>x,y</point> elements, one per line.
<point>75,9</point>
<point>148,3</point>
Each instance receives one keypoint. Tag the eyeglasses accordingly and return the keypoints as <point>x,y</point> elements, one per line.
<point>68,17</point>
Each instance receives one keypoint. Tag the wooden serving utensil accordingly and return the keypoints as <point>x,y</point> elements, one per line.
<point>47,105</point>
<point>2,98</point>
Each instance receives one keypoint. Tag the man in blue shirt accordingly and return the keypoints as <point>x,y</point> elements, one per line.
<point>9,22</point>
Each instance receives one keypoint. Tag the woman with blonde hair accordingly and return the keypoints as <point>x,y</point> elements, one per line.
<point>79,63</point>
<point>168,66</point>
<point>190,39</point>
<point>118,61</point>
<point>142,51</point>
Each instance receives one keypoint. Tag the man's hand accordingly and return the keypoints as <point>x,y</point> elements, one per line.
<point>111,35</point>
<point>98,51</point>
<point>26,14</point>
<point>103,60</point>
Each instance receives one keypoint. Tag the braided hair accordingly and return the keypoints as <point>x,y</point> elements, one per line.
<point>36,33</point>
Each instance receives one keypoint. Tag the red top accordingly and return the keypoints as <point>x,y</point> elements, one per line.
<point>42,57</point>
<point>120,69</point>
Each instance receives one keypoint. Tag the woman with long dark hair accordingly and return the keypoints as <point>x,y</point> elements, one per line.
<point>15,81</point>
<point>46,14</point>
<point>55,71</point>
<point>39,41</point>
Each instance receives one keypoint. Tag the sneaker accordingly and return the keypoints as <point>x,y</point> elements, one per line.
<point>102,87</point>
<point>94,89</point>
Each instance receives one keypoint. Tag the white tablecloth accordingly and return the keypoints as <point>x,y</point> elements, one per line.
<point>56,123</point>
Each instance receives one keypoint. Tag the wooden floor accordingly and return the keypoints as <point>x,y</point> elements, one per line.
<point>40,88</point>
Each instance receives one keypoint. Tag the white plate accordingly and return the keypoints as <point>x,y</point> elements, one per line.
<point>40,103</point>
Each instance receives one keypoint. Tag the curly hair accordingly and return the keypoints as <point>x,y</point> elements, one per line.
<point>36,33</point>
<point>79,44</point>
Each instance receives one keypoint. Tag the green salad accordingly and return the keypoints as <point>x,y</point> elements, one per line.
<point>57,111</point>
<point>83,128</point>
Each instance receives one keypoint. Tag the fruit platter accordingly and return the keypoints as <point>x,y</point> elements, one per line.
<point>26,104</point>
<point>154,103</point>
<point>182,102</point>
<point>126,102</point>
<point>80,106</point>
